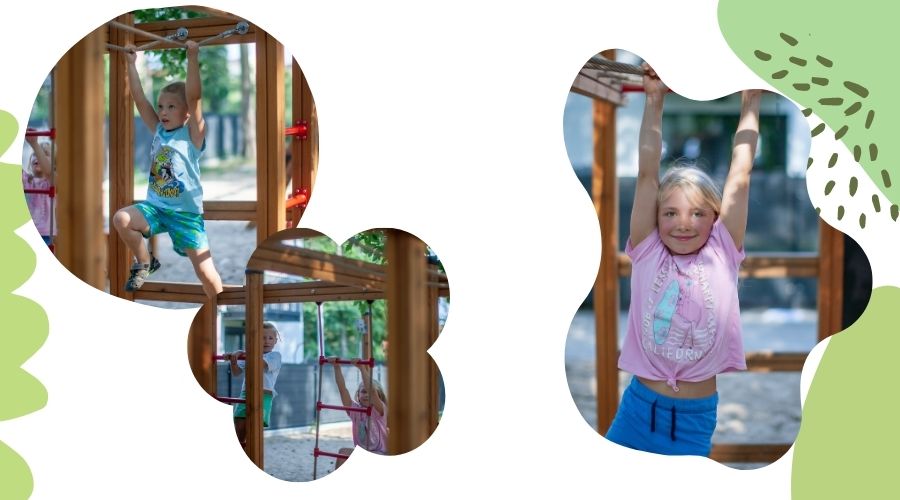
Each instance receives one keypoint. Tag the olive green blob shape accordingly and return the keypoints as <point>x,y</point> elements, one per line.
<point>847,445</point>
<point>852,40</point>
<point>25,322</point>
<point>16,481</point>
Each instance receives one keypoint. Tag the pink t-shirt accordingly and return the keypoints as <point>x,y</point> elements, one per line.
<point>40,205</point>
<point>684,320</point>
<point>369,432</point>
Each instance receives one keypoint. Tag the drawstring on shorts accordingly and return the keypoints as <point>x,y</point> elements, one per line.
<point>653,420</point>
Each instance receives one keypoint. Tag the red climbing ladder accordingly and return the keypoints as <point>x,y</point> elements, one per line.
<point>51,191</point>
<point>366,359</point>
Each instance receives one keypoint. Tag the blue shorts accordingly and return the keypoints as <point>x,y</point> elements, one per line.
<point>240,409</point>
<point>185,228</point>
<point>652,422</point>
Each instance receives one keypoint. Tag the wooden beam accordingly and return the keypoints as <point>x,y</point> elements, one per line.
<point>299,264</point>
<point>605,193</point>
<point>229,210</point>
<point>408,404</point>
<point>254,368</point>
<point>270,176</point>
<point>121,158</point>
<point>831,281</point>
<point>775,362</point>
<point>78,109</point>
<point>748,453</point>
<point>760,265</point>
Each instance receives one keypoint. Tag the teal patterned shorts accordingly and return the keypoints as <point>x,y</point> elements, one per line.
<point>185,228</point>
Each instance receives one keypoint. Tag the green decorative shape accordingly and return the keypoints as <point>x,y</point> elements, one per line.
<point>857,89</point>
<point>847,446</point>
<point>16,481</point>
<point>844,45</point>
<point>25,321</point>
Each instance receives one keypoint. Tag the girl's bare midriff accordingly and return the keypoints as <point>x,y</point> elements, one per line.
<point>686,390</point>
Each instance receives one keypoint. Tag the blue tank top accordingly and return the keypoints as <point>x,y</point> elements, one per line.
<point>174,181</point>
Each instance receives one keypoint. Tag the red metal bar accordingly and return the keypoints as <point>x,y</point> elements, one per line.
<point>369,362</point>
<point>230,400</point>
<point>299,130</point>
<point>51,191</point>
<point>300,198</point>
<point>322,406</point>
<point>41,133</point>
<point>319,453</point>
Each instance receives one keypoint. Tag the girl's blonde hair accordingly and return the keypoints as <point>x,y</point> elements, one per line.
<point>47,151</point>
<point>696,183</point>
<point>375,385</point>
<point>268,325</point>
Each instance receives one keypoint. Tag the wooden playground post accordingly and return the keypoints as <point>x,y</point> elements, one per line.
<point>605,192</point>
<point>121,156</point>
<point>434,329</point>
<point>254,371</point>
<point>270,176</point>
<point>408,324</point>
<point>202,346</point>
<point>830,296</point>
<point>78,107</point>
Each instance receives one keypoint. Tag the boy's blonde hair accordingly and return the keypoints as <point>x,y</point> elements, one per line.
<point>176,88</point>
<point>696,183</point>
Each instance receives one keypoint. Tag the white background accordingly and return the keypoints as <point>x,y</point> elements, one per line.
<point>443,120</point>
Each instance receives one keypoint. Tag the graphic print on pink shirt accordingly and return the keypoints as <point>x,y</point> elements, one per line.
<point>680,325</point>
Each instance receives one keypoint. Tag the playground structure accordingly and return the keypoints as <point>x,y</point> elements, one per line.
<point>605,81</point>
<point>78,105</point>
<point>77,122</point>
<point>406,282</point>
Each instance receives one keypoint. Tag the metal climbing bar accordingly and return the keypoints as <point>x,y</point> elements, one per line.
<point>358,409</point>
<point>317,453</point>
<point>51,133</point>
<point>221,357</point>
<point>300,199</point>
<point>341,361</point>
<point>180,34</point>
<point>241,28</point>
<point>138,31</point>
<point>320,335</point>
<point>603,64</point>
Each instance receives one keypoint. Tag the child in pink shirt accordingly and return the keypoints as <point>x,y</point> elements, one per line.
<point>38,175</point>
<point>686,244</point>
<point>369,431</point>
